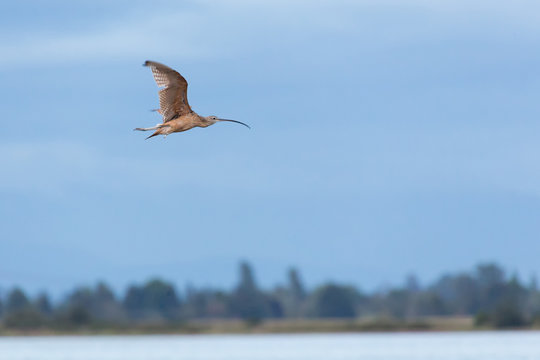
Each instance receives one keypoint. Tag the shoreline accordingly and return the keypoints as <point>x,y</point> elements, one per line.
<point>300,326</point>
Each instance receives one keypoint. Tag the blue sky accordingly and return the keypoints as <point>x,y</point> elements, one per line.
<point>388,137</point>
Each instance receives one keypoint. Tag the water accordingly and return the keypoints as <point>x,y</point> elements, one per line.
<point>395,346</point>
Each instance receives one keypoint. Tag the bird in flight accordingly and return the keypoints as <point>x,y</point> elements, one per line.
<point>173,104</point>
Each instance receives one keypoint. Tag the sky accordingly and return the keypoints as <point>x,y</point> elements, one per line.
<point>388,138</point>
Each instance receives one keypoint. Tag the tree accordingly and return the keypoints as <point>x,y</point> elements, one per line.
<point>296,287</point>
<point>105,305</point>
<point>20,314</point>
<point>247,280</point>
<point>82,297</point>
<point>134,301</point>
<point>334,301</point>
<point>505,315</point>
<point>533,284</point>
<point>247,302</point>
<point>103,293</point>
<point>396,303</point>
<point>428,304</point>
<point>76,316</point>
<point>291,297</point>
<point>43,304</point>
<point>161,296</point>
<point>217,304</point>
<point>459,292</point>
<point>412,284</point>
<point>99,302</point>
<point>16,301</point>
<point>155,298</point>
<point>26,318</point>
<point>489,275</point>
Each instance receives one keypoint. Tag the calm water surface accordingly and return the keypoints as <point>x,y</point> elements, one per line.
<point>400,346</point>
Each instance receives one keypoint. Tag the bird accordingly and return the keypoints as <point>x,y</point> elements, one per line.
<point>173,104</point>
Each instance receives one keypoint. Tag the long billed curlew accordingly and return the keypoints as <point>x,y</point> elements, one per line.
<point>173,104</point>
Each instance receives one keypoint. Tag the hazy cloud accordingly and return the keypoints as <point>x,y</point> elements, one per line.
<point>212,29</point>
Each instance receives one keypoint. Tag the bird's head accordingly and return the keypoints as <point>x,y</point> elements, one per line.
<point>214,119</point>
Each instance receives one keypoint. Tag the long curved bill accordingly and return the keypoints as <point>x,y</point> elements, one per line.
<point>239,122</point>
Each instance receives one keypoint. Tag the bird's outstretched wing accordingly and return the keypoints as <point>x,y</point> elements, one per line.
<point>173,97</point>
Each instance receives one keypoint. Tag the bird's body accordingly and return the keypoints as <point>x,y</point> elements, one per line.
<point>179,124</point>
<point>174,106</point>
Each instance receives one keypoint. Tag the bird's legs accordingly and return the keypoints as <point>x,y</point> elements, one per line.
<point>149,128</point>
<point>161,129</point>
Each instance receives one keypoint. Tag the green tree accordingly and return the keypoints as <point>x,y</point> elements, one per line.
<point>75,316</point>
<point>155,298</point>
<point>428,303</point>
<point>217,304</point>
<point>196,302</point>
<point>43,304</point>
<point>134,301</point>
<point>291,298</point>
<point>17,301</point>
<point>505,315</point>
<point>99,302</point>
<point>103,293</point>
<point>247,279</point>
<point>533,284</point>
<point>459,292</point>
<point>24,319</point>
<point>162,297</point>
<point>296,288</point>
<point>81,297</point>
<point>396,303</point>
<point>334,301</point>
<point>412,284</point>
<point>105,305</point>
<point>489,275</point>
<point>247,302</point>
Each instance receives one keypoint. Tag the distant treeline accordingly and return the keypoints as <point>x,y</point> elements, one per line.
<point>487,292</point>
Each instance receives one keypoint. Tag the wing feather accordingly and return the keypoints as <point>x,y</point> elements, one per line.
<point>173,100</point>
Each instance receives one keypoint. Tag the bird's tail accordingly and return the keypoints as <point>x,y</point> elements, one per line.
<point>154,134</point>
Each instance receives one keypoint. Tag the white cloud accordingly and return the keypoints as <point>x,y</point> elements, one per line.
<point>230,28</point>
<point>377,162</point>
<point>137,37</point>
<point>55,168</point>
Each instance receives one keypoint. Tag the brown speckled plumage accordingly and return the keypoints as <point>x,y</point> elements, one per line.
<point>173,103</point>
